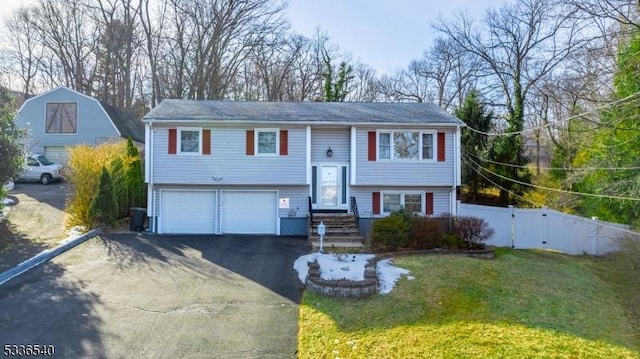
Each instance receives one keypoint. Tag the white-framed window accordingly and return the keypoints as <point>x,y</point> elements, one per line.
<point>408,145</point>
<point>267,141</point>
<point>410,201</point>
<point>384,145</point>
<point>428,147</point>
<point>189,140</point>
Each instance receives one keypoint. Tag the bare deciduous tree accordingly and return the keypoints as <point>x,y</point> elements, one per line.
<point>518,46</point>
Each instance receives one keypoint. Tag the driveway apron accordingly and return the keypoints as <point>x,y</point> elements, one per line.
<point>147,296</point>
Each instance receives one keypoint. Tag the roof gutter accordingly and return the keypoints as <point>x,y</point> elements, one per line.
<point>303,123</point>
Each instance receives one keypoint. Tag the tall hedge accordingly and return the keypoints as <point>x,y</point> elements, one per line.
<point>122,162</point>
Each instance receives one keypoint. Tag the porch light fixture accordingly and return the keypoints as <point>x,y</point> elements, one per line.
<point>329,152</point>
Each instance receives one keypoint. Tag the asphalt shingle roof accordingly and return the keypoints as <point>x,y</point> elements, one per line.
<point>128,125</point>
<point>306,112</point>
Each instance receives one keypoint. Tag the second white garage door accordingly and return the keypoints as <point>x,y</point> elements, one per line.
<point>249,212</point>
<point>188,212</point>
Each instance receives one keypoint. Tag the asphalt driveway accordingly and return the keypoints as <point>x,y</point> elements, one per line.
<point>149,296</point>
<point>34,222</point>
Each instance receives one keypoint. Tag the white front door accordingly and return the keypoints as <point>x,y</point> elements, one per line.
<point>329,186</point>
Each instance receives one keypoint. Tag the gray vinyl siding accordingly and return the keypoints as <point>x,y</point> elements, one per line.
<point>93,125</point>
<point>336,138</point>
<point>404,173</point>
<point>441,202</point>
<point>298,201</point>
<point>228,160</point>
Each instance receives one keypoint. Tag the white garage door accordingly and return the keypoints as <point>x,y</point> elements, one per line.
<point>56,154</point>
<point>248,212</point>
<point>188,212</point>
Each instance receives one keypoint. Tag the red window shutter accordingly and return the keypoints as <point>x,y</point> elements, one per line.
<point>284,142</point>
<point>441,146</point>
<point>250,146</point>
<point>372,145</point>
<point>429,203</point>
<point>173,141</point>
<point>206,142</point>
<point>375,198</point>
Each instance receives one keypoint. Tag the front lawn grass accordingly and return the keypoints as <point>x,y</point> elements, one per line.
<point>522,304</point>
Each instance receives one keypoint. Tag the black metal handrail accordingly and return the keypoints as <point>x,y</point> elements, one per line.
<point>354,208</point>
<point>310,210</point>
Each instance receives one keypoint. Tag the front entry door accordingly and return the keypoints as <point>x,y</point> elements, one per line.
<point>329,189</point>
<point>329,186</point>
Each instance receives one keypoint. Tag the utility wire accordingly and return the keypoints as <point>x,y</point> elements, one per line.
<point>554,168</point>
<point>493,134</point>
<point>556,189</point>
<point>535,204</point>
<point>497,185</point>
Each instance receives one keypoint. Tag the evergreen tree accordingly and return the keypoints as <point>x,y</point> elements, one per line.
<point>134,177</point>
<point>336,90</point>
<point>11,149</point>
<point>132,150</point>
<point>120,186</point>
<point>103,206</point>
<point>474,145</point>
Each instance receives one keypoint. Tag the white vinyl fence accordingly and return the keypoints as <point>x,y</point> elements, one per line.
<point>545,228</point>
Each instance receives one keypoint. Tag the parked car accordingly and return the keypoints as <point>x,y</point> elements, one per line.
<point>39,169</point>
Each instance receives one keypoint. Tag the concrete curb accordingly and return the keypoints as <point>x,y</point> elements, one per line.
<point>45,256</point>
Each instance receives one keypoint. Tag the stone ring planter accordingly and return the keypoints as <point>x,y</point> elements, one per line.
<point>343,288</point>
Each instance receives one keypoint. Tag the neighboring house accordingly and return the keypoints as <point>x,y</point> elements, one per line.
<point>64,117</point>
<point>254,167</point>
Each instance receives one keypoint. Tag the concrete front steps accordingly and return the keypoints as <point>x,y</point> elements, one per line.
<point>341,231</point>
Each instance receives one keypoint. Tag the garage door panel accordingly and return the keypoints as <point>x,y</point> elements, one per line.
<point>249,212</point>
<point>188,212</point>
<point>56,154</point>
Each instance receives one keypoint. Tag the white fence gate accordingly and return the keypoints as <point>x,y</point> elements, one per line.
<point>547,229</point>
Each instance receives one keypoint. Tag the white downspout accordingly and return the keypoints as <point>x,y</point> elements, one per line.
<point>153,190</point>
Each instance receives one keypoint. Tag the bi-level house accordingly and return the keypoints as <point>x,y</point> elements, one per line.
<point>217,167</point>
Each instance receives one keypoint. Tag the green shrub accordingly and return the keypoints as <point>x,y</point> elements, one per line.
<point>452,241</point>
<point>402,229</point>
<point>390,233</point>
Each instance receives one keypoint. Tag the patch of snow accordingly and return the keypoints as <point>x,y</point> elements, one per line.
<point>351,268</point>
<point>74,232</point>
<point>388,275</point>
<point>302,267</point>
<point>8,201</point>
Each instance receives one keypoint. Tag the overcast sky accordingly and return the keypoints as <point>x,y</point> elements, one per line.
<point>385,34</point>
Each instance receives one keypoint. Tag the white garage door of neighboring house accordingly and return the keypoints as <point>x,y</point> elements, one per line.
<point>188,212</point>
<point>247,212</point>
<point>56,154</point>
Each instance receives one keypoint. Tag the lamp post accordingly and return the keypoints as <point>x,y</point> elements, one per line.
<point>321,231</point>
